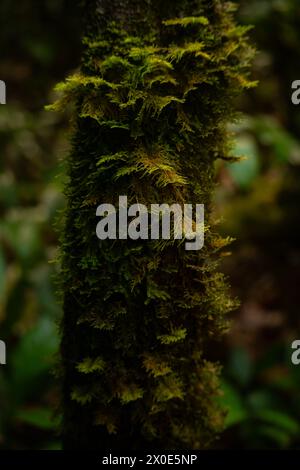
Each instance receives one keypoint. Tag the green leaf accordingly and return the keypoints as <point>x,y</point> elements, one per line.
<point>240,366</point>
<point>33,357</point>
<point>38,417</point>
<point>281,438</point>
<point>284,145</point>
<point>260,399</point>
<point>232,402</point>
<point>244,171</point>
<point>280,420</point>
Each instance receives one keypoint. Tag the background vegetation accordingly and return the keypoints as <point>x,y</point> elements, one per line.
<point>257,201</point>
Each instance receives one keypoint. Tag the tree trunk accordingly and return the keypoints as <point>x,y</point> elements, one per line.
<point>151,105</point>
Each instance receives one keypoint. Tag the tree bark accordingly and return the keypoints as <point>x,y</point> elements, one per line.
<point>151,105</point>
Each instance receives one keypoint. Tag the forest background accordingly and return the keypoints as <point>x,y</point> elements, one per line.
<point>257,202</point>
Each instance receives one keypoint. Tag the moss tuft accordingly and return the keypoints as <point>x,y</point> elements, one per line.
<point>151,113</point>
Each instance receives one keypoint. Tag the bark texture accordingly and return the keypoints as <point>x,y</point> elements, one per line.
<point>151,104</point>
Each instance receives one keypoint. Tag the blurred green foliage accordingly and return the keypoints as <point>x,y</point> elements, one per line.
<point>257,198</point>
<point>262,399</point>
<point>39,45</point>
<point>29,200</point>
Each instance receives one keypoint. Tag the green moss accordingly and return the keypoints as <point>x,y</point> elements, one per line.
<point>151,113</point>
<point>187,21</point>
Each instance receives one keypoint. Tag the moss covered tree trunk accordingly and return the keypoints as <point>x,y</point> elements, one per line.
<point>151,104</point>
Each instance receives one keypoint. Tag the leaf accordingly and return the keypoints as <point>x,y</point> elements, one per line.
<point>280,420</point>
<point>247,169</point>
<point>240,366</point>
<point>41,418</point>
<point>33,357</point>
<point>232,402</point>
<point>260,399</point>
<point>284,145</point>
<point>276,435</point>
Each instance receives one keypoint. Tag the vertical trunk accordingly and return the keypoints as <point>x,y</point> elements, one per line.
<point>152,102</point>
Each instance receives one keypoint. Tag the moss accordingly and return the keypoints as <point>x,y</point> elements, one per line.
<point>150,120</point>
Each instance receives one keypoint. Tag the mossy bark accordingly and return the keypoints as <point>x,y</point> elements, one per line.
<point>152,100</point>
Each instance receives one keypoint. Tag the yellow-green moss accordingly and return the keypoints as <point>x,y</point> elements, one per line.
<point>151,113</point>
